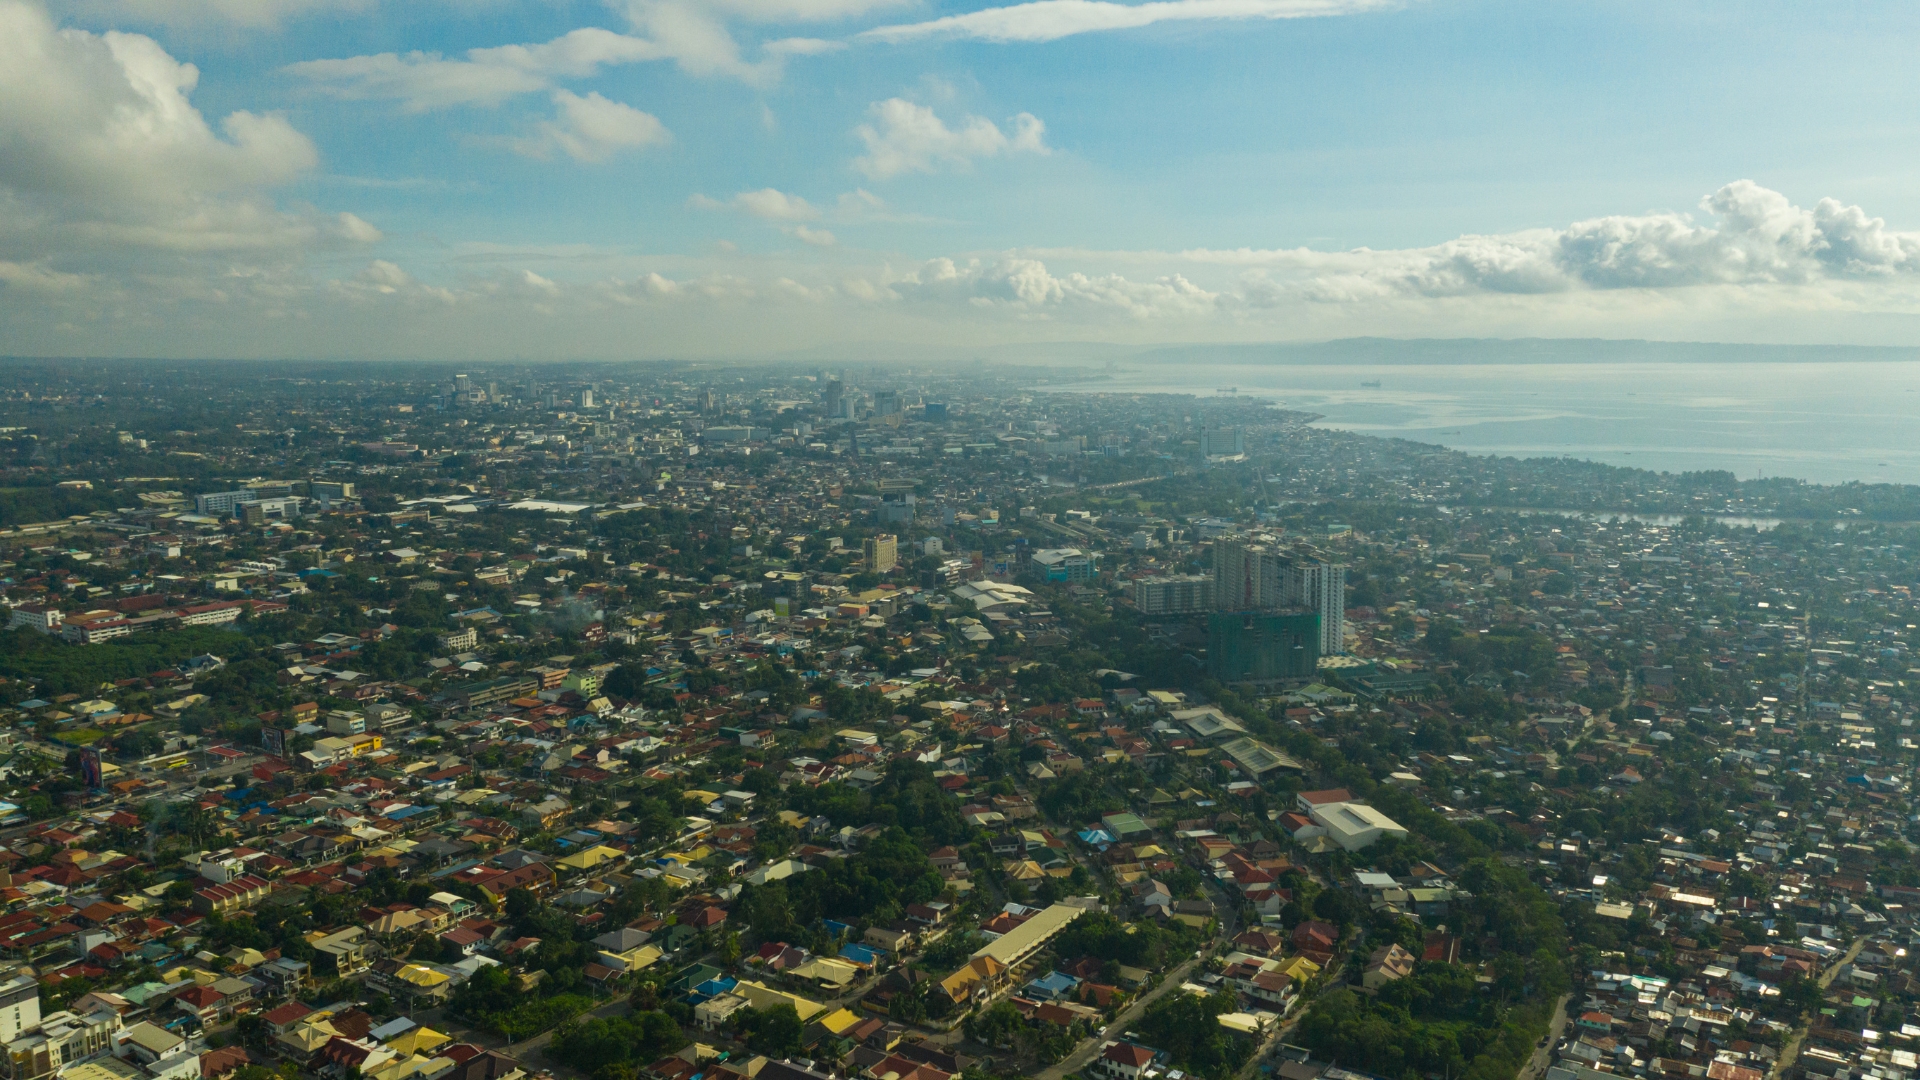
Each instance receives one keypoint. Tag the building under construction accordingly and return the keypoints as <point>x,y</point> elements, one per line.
<point>1258,573</point>
<point>1263,646</point>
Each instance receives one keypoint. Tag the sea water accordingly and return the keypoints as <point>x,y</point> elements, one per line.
<point>1827,422</point>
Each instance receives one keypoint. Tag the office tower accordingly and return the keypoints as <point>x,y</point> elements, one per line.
<point>586,398</point>
<point>882,552</point>
<point>833,400</point>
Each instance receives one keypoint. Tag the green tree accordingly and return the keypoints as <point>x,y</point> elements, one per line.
<point>775,1032</point>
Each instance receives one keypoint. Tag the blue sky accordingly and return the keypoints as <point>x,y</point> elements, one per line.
<point>750,177</point>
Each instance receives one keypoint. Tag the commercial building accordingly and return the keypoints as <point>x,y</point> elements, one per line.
<point>60,1040</point>
<point>1179,594</point>
<point>42,617</point>
<point>94,627</point>
<point>259,511</point>
<point>488,691</point>
<point>896,507</point>
<point>19,1006</point>
<point>1256,757</point>
<point>882,552</point>
<point>211,614</point>
<point>1223,443</point>
<point>1019,945</point>
<point>735,434</point>
<point>1355,825</point>
<point>1065,564</point>
<point>223,503</point>
<point>1263,646</point>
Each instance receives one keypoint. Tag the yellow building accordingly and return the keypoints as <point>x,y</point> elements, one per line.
<point>591,857</point>
<point>974,980</point>
<point>1299,969</point>
<point>766,997</point>
<point>839,1021</point>
<point>420,1040</point>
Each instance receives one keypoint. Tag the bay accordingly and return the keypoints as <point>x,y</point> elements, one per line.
<point>1827,421</point>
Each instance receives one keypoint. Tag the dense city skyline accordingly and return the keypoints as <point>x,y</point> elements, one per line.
<point>696,721</point>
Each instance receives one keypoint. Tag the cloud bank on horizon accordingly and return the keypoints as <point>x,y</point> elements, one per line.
<point>729,177</point>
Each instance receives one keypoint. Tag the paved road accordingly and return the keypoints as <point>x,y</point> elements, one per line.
<point>1543,1055</point>
<point>525,1051</point>
<point>1083,1056</point>
<point>1792,1049</point>
<point>1229,917</point>
<point>1278,1036</point>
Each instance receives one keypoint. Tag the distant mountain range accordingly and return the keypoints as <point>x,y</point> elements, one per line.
<point>1372,351</point>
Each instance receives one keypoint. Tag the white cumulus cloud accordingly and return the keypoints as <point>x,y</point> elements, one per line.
<point>771,204</point>
<point>108,117</point>
<point>39,277</point>
<point>592,129</point>
<point>1747,261</point>
<point>816,237</point>
<point>247,13</point>
<point>904,136</point>
<point>100,143</point>
<point>1049,20</point>
<point>1756,237</point>
<point>1027,286</point>
<point>692,35</point>
<point>787,11</point>
<point>423,81</point>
